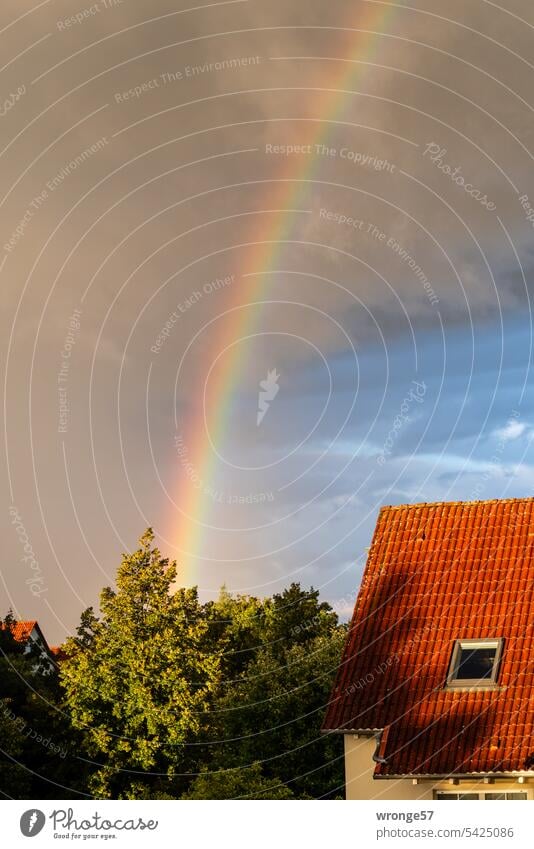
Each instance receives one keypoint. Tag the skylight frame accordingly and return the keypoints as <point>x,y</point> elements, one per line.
<point>460,645</point>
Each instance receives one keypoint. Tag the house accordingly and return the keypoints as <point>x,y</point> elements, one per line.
<point>30,633</point>
<point>435,691</point>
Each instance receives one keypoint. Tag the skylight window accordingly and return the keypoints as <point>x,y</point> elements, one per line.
<point>475,663</point>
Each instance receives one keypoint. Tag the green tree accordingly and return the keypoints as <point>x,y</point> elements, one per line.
<point>279,662</point>
<point>237,629</point>
<point>177,699</point>
<point>138,679</point>
<point>247,783</point>
<point>15,780</point>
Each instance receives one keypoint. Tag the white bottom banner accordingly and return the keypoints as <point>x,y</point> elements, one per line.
<point>266,824</point>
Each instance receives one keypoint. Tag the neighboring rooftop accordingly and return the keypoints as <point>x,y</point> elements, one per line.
<point>22,630</point>
<point>438,573</point>
<point>58,653</point>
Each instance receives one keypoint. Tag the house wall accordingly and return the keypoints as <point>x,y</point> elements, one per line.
<point>360,784</point>
<point>359,781</point>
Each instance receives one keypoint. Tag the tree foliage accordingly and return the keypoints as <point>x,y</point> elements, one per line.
<point>139,678</point>
<point>244,783</point>
<point>167,697</point>
<point>38,744</point>
<point>270,703</point>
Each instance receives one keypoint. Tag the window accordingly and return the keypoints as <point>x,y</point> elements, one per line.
<point>506,796</point>
<point>442,795</point>
<point>455,796</point>
<point>475,663</point>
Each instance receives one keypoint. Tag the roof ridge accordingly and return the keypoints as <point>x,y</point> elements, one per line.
<point>416,504</point>
<point>23,622</point>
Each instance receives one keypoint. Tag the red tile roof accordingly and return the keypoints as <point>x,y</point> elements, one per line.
<point>437,573</point>
<point>22,630</point>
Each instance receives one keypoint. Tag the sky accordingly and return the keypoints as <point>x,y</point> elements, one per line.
<point>265,267</point>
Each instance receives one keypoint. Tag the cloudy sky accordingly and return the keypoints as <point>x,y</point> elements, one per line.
<point>265,267</point>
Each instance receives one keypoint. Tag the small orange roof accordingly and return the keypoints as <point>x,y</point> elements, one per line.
<point>22,630</point>
<point>58,653</point>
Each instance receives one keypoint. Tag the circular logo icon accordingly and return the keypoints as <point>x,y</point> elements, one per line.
<point>32,822</point>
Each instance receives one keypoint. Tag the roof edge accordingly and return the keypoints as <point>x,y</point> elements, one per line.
<point>464,776</point>
<point>364,732</point>
<point>418,504</point>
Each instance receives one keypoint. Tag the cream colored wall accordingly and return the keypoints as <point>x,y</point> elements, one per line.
<point>360,784</point>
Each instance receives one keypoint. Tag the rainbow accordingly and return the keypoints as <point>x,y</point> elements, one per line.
<point>288,193</point>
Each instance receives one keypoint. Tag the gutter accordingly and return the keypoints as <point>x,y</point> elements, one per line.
<point>381,743</point>
<point>467,776</point>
